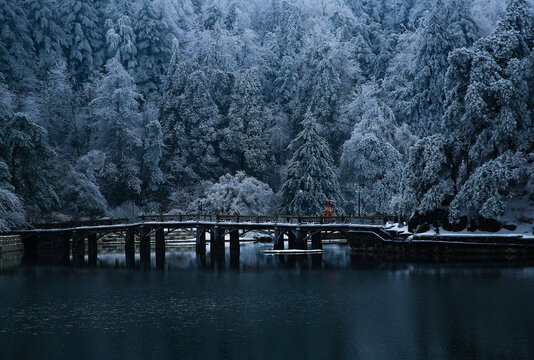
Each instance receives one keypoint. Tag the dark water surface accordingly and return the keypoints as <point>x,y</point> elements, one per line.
<point>269,310</point>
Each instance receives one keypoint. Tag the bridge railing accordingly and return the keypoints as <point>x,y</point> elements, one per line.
<point>220,218</point>
<point>259,219</point>
<point>80,223</point>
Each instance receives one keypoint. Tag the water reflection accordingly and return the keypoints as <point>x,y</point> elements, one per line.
<point>10,260</point>
<point>390,311</point>
<point>251,257</point>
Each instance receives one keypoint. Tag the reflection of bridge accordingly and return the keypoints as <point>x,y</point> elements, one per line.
<point>53,243</point>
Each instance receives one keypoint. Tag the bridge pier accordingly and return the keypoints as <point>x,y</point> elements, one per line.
<point>144,247</point>
<point>78,249</point>
<point>234,248</point>
<point>201,246</point>
<point>201,241</point>
<point>160,249</point>
<point>291,240</point>
<point>217,246</point>
<point>129,247</point>
<point>278,240</point>
<point>317,244</point>
<point>65,245</point>
<point>302,242</point>
<point>92,248</point>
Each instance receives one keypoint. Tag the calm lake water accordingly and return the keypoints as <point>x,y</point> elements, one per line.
<point>343,308</point>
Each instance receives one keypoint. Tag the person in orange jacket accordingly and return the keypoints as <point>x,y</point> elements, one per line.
<point>329,211</point>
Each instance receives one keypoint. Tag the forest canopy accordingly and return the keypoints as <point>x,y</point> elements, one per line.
<point>388,107</point>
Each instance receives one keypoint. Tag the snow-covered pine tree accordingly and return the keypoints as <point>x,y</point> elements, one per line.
<point>12,212</point>
<point>48,36</point>
<point>487,190</point>
<point>152,47</point>
<point>11,208</point>
<point>59,109</point>
<point>246,145</point>
<point>16,45</point>
<point>83,48</point>
<point>199,122</point>
<point>179,15</point>
<point>328,71</point>
<point>461,24</point>
<point>489,111</point>
<point>221,85</point>
<point>121,40</point>
<point>175,83</point>
<point>488,92</point>
<point>152,151</point>
<point>118,131</point>
<point>286,83</point>
<point>27,154</point>
<point>426,105</point>
<point>371,159</point>
<point>312,178</point>
<point>112,8</point>
<point>427,183</point>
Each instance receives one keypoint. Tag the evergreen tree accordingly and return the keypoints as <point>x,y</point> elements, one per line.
<point>11,207</point>
<point>153,145</point>
<point>152,47</point>
<point>486,191</point>
<point>16,45</point>
<point>312,178</point>
<point>48,36</point>
<point>328,71</point>
<point>59,109</point>
<point>462,27</point>
<point>175,83</point>
<point>371,160</point>
<point>118,130</point>
<point>84,38</point>
<point>427,184</point>
<point>488,93</point>
<point>426,106</point>
<point>247,145</point>
<point>27,154</point>
<point>120,41</point>
<point>196,138</point>
<point>79,195</point>
<point>12,213</point>
<point>286,83</point>
<point>221,85</point>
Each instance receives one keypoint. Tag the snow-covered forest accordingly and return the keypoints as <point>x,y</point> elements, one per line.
<point>395,107</point>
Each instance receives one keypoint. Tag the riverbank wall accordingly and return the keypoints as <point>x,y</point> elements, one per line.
<point>421,247</point>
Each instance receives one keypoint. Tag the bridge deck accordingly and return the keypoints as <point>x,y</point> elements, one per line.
<point>193,224</point>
